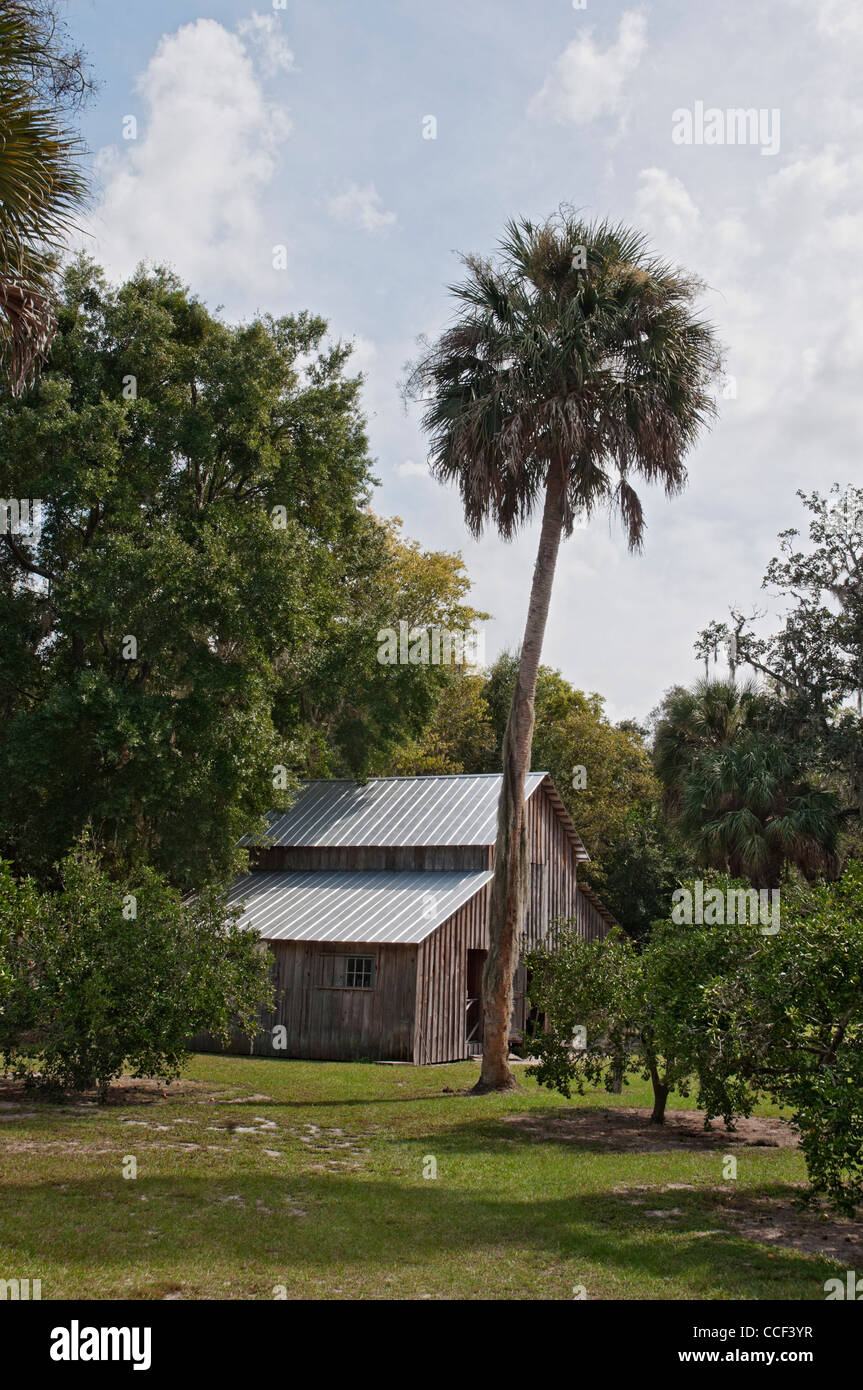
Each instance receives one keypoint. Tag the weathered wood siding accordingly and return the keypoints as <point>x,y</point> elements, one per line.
<point>441,992</point>
<point>591,924</point>
<point>553,869</point>
<point>288,859</point>
<point>440,1034</point>
<point>335,1024</point>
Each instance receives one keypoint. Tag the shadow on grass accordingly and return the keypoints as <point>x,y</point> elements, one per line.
<point>312,1226</point>
<point>136,1091</point>
<point>598,1129</point>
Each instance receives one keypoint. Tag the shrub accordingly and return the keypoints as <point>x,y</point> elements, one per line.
<point>102,977</point>
<point>731,1010</point>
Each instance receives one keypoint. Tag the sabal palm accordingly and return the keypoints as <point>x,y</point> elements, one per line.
<point>575,363</point>
<point>733,781</point>
<point>40,185</point>
<point>711,715</point>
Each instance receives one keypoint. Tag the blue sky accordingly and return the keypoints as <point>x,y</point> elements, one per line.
<point>303,127</point>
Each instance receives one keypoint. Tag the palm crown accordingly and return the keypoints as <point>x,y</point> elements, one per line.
<point>576,349</point>
<point>734,782</point>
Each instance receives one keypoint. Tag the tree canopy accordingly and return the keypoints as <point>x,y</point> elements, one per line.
<point>101,975</point>
<point>194,622</point>
<point>813,660</point>
<point>729,1010</point>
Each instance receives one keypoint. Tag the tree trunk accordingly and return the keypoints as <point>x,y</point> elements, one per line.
<point>660,1096</point>
<point>509,885</point>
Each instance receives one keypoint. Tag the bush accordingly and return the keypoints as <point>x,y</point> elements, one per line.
<point>793,1016</point>
<point>641,1012</point>
<point>731,1010</point>
<point>102,977</point>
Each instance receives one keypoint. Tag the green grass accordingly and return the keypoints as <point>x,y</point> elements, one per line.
<point>327,1197</point>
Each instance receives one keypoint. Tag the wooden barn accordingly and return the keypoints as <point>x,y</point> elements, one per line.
<point>372,899</point>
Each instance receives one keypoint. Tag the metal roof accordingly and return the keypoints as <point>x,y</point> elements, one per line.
<point>393,811</point>
<point>401,907</point>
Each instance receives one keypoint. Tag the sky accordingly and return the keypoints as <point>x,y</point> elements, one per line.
<point>339,157</point>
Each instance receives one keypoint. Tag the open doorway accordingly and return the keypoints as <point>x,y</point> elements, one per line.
<point>473,1019</point>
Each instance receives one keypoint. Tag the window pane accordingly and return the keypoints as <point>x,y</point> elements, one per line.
<point>358,972</point>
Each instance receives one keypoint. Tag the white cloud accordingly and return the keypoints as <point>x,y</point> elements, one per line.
<point>587,82</point>
<point>839,19</point>
<point>409,469</point>
<point>361,207</point>
<point>822,178</point>
<point>188,190</point>
<point>665,210</point>
<point>262,33</point>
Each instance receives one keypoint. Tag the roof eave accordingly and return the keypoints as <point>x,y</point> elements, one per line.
<point>598,904</point>
<point>557,802</point>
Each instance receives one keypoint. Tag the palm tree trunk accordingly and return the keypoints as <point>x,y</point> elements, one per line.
<point>509,885</point>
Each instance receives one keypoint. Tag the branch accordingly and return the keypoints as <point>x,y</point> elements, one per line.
<point>838,1036</point>
<point>24,560</point>
<point>774,675</point>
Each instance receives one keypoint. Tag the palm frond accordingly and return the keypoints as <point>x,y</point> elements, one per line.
<point>604,369</point>
<point>41,184</point>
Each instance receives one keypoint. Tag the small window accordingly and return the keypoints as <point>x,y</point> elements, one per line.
<point>358,972</point>
<point>346,972</point>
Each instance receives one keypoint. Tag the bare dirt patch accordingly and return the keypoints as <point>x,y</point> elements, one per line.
<point>126,1090</point>
<point>771,1221</point>
<point>774,1221</point>
<point>629,1130</point>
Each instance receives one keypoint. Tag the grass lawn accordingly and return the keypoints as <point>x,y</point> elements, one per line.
<point>255,1176</point>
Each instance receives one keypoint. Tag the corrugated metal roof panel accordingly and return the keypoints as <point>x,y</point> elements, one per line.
<point>401,907</point>
<point>394,811</point>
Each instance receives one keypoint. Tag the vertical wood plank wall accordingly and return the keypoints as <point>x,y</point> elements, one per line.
<point>290,859</point>
<point>553,886</point>
<point>591,924</point>
<point>334,1025</point>
<point>441,1000</point>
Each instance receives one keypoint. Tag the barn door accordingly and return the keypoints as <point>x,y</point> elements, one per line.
<point>473,1019</point>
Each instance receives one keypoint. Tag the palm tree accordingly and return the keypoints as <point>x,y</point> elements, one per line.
<point>731,769</point>
<point>574,362</point>
<point>40,185</point>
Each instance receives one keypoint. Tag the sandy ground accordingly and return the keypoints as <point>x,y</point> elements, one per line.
<point>775,1221</point>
